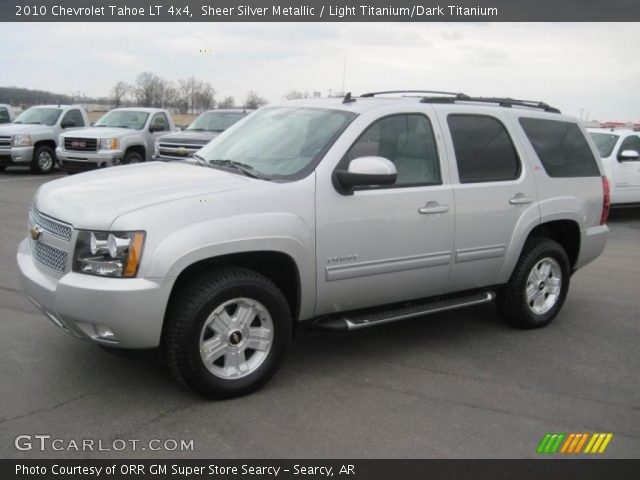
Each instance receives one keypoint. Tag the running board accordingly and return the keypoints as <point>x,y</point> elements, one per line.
<point>357,320</point>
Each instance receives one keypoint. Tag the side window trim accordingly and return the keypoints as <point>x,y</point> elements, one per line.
<point>343,162</point>
<point>521,170</point>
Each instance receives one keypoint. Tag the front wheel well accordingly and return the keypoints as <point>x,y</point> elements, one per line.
<point>279,267</point>
<point>565,232</point>
<point>48,143</point>
<point>137,148</point>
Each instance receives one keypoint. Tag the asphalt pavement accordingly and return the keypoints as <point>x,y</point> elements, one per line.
<point>459,384</point>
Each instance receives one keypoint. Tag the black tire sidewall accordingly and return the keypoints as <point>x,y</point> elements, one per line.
<point>127,158</point>
<point>35,164</point>
<point>544,249</point>
<point>277,307</point>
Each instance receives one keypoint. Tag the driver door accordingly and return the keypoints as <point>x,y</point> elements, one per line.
<point>627,172</point>
<point>383,244</point>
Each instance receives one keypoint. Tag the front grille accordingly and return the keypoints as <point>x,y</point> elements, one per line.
<point>81,144</point>
<point>178,149</point>
<point>55,227</point>
<point>5,142</point>
<point>50,257</point>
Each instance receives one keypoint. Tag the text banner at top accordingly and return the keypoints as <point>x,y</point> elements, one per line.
<point>319,11</point>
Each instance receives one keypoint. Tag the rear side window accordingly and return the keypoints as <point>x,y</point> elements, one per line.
<point>561,147</point>
<point>484,150</point>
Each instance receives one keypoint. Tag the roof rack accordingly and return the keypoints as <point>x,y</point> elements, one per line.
<point>373,94</point>
<point>503,102</point>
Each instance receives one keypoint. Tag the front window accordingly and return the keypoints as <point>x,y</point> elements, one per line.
<point>215,121</point>
<point>123,119</point>
<point>39,116</point>
<point>605,143</point>
<point>278,142</point>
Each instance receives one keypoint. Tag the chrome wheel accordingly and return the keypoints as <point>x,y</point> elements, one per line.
<point>236,338</point>
<point>45,161</point>
<point>544,285</point>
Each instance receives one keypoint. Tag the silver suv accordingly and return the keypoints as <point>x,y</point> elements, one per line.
<point>336,213</point>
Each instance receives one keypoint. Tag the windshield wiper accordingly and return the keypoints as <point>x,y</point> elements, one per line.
<point>194,130</point>
<point>240,167</point>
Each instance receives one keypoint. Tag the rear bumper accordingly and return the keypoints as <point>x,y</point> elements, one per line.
<point>16,156</point>
<point>592,243</point>
<point>89,307</point>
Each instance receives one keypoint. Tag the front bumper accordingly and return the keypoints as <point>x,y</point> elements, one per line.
<point>88,160</point>
<point>126,313</point>
<point>16,156</point>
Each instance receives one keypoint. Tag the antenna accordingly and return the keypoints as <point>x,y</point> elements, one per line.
<point>347,98</point>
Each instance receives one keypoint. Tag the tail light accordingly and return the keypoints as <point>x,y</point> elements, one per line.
<point>606,200</point>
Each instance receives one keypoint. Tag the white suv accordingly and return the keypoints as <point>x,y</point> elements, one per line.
<point>620,153</point>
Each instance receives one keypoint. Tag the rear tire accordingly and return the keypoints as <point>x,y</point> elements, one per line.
<point>44,160</point>
<point>227,332</point>
<point>538,285</point>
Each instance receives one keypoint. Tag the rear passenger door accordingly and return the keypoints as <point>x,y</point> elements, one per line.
<point>494,193</point>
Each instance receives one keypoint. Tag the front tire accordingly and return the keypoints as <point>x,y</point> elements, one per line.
<point>44,160</point>
<point>227,332</point>
<point>538,285</point>
<point>132,157</point>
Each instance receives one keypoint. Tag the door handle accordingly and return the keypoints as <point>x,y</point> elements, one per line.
<point>520,199</point>
<point>433,207</point>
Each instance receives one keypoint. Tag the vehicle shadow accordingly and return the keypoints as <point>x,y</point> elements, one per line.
<point>621,215</point>
<point>18,172</point>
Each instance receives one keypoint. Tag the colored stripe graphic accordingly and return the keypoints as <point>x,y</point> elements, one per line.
<point>572,443</point>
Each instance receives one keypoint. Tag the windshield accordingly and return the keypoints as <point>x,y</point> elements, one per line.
<point>279,142</point>
<point>39,116</point>
<point>215,121</point>
<point>605,143</point>
<point>123,119</point>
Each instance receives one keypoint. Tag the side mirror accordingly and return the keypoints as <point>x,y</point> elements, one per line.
<point>367,171</point>
<point>68,124</point>
<point>629,156</point>
<point>156,128</point>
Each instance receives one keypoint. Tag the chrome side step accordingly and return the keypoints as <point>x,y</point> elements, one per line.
<point>357,320</point>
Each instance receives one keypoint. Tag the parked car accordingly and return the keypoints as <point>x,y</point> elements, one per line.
<point>183,144</point>
<point>6,113</point>
<point>336,213</point>
<point>620,154</point>
<point>120,137</point>
<point>31,139</point>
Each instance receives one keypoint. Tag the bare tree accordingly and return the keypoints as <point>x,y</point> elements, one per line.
<point>254,100</point>
<point>147,89</point>
<point>204,97</point>
<point>118,93</point>
<point>296,94</point>
<point>227,102</point>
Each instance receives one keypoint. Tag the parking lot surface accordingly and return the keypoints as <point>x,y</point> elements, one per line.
<point>461,384</point>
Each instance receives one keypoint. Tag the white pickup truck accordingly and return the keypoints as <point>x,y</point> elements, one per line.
<point>620,153</point>
<point>121,136</point>
<point>6,113</point>
<point>31,139</point>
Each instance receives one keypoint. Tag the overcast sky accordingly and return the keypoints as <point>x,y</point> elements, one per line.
<point>589,66</point>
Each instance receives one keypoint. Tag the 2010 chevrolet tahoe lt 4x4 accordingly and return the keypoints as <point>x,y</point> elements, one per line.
<point>342,212</point>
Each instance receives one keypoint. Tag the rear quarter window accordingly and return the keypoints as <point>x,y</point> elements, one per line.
<point>561,147</point>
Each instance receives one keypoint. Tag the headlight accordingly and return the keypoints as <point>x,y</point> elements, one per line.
<point>115,254</point>
<point>21,140</point>
<point>108,144</point>
<point>156,148</point>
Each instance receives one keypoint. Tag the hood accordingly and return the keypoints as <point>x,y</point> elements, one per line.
<point>95,199</point>
<point>14,128</point>
<point>189,137</point>
<point>100,132</point>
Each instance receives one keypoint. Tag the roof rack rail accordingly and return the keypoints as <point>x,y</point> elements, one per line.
<point>502,101</point>
<point>373,94</point>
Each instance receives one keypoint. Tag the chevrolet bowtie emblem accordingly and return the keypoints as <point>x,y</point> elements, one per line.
<point>35,232</point>
<point>182,151</point>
